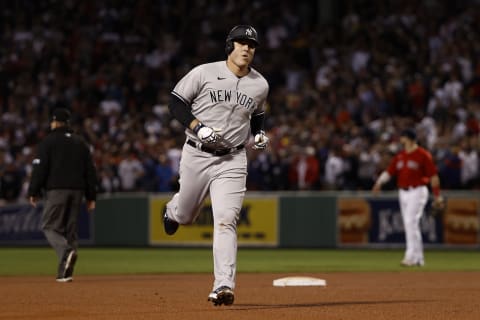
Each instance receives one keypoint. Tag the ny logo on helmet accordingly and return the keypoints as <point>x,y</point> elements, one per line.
<point>249,32</point>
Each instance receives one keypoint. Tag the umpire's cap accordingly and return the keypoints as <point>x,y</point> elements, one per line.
<point>410,134</point>
<point>61,115</point>
<point>245,32</point>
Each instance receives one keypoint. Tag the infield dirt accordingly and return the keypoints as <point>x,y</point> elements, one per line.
<point>399,295</point>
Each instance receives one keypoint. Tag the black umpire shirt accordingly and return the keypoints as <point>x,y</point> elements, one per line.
<point>63,162</point>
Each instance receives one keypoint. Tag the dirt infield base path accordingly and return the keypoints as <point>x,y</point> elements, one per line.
<point>401,295</point>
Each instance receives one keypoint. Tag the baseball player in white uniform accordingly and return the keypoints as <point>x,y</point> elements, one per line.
<point>220,104</point>
<point>414,168</point>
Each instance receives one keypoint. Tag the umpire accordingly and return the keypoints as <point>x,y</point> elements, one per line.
<point>64,172</point>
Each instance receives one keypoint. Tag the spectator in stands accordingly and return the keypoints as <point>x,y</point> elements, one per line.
<point>164,177</point>
<point>11,180</point>
<point>470,163</point>
<point>334,170</point>
<point>304,170</point>
<point>130,170</point>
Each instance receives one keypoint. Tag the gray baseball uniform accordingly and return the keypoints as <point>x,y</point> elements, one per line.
<point>224,102</point>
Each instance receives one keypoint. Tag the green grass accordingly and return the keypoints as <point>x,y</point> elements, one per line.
<point>42,261</point>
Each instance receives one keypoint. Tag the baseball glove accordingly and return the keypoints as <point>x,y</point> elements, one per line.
<point>437,207</point>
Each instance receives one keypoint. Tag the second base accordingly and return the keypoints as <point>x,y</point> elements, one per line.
<point>299,281</point>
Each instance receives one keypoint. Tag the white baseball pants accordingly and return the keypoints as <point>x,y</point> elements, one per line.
<point>412,204</point>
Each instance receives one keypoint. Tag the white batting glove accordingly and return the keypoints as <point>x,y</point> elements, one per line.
<point>206,134</point>
<point>261,141</point>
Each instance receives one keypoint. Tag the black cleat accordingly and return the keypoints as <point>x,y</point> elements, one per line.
<point>223,295</point>
<point>65,269</point>
<point>70,263</point>
<point>169,225</point>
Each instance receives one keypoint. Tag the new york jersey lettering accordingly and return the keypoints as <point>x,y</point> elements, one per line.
<point>240,98</point>
<point>220,95</point>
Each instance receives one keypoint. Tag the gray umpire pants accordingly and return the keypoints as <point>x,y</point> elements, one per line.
<point>60,217</point>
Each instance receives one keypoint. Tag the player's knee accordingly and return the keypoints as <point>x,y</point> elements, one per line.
<point>225,225</point>
<point>227,217</point>
<point>412,222</point>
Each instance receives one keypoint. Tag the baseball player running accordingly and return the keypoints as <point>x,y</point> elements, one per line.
<point>219,103</point>
<point>414,168</point>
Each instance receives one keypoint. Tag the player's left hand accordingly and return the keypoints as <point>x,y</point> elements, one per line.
<point>261,141</point>
<point>438,206</point>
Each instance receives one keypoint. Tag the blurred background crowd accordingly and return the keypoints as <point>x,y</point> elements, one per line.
<point>345,78</point>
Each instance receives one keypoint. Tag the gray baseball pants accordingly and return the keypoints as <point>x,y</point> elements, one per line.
<point>60,217</point>
<point>224,178</point>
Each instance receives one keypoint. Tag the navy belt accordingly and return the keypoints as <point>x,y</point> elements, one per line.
<point>216,152</point>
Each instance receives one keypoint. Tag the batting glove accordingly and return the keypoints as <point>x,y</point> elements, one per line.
<point>261,141</point>
<point>206,134</point>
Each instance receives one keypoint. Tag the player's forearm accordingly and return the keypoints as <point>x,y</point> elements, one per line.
<point>435,181</point>
<point>383,178</point>
<point>181,111</point>
<point>256,122</point>
<point>435,184</point>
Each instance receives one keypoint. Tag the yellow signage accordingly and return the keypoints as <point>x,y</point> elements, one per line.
<point>257,224</point>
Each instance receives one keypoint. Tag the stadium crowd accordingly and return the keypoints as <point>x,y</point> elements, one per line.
<point>340,90</point>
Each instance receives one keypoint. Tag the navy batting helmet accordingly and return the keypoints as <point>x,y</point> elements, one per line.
<point>243,32</point>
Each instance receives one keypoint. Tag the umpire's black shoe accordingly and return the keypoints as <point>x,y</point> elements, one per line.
<point>223,295</point>
<point>65,269</point>
<point>169,225</point>
<point>70,263</point>
<point>61,272</point>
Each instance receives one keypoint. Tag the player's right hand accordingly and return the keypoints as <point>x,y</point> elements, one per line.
<point>376,188</point>
<point>261,141</point>
<point>207,135</point>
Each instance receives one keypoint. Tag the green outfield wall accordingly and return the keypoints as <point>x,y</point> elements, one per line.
<point>122,221</point>
<point>307,220</point>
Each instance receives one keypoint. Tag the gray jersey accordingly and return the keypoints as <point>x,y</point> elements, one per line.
<point>222,101</point>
